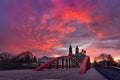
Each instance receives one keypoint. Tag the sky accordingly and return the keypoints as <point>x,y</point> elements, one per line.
<point>48,27</point>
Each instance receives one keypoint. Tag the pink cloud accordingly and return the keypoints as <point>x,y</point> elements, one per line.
<point>44,26</point>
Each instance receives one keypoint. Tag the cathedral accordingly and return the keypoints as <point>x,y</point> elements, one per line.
<point>78,55</point>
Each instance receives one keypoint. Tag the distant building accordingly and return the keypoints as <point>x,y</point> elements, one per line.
<point>44,59</point>
<point>78,55</point>
<point>70,50</point>
<point>5,57</point>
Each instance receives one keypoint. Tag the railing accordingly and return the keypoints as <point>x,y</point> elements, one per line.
<point>66,62</point>
<point>59,62</point>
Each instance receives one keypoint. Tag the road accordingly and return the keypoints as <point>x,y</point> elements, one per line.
<point>110,73</point>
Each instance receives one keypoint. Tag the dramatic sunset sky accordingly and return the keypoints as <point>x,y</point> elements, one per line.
<point>48,27</point>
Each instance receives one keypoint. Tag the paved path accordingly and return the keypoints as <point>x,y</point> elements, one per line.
<point>61,74</point>
<point>111,73</point>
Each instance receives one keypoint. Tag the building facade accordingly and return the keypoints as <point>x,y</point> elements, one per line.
<point>78,55</point>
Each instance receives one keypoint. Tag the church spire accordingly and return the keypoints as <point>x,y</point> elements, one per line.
<point>70,50</point>
<point>77,50</point>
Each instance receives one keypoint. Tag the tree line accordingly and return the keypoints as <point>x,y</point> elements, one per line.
<point>105,60</point>
<point>24,57</point>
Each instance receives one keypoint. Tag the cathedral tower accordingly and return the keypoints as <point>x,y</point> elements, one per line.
<point>76,50</point>
<point>70,50</point>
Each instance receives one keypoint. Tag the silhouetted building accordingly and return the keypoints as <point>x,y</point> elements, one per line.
<point>44,59</point>
<point>5,57</point>
<point>77,50</point>
<point>78,55</point>
<point>70,50</point>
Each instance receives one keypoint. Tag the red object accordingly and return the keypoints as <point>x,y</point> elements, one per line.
<point>85,65</point>
<point>54,60</point>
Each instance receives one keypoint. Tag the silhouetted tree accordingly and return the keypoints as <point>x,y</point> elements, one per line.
<point>6,57</point>
<point>27,59</point>
<point>34,59</point>
<point>104,59</point>
<point>110,58</point>
<point>24,57</point>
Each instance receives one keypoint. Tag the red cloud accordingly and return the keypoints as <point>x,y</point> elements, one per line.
<point>44,25</point>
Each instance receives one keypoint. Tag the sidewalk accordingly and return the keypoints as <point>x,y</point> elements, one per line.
<point>61,74</point>
<point>91,74</point>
